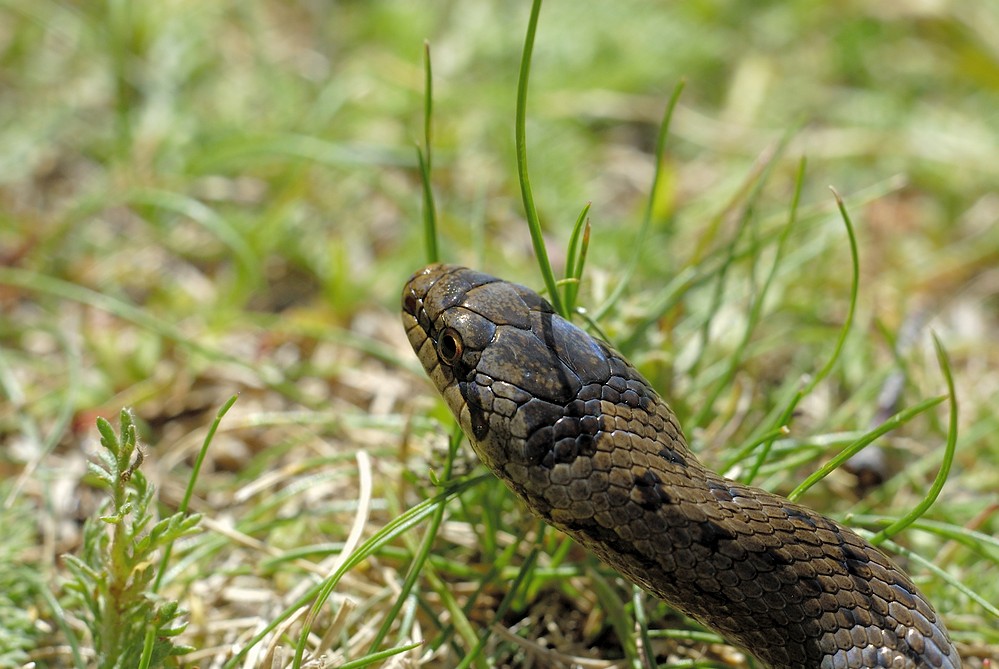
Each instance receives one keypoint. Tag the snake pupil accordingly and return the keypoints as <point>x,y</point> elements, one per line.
<point>449,346</point>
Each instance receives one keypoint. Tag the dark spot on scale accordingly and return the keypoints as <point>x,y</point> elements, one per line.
<point>798,514</point>
<point>672,457</point>
<point>650,493</point>
<point>611,541</point>
<point>539,446</point>
<point>647,479</point>
<point>565,450</point>
<point>586,445</point>
<point>720,491</point>
<point>853,553</point>
<point>712,534</point>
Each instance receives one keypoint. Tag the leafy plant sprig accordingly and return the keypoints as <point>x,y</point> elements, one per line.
<point>111,588</point>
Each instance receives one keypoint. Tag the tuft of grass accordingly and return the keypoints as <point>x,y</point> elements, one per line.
<point>19,586</point>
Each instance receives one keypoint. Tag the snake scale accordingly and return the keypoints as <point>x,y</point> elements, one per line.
<point>587,444</point>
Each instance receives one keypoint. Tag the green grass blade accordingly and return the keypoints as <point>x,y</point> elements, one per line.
<point>429,210</point>
<point>732,253</point>
<point>854,292</point>
<point>948,459</point>
<point>143,318</point>
<point>756,312</point>
<point>579,244</point>
<point>393,529</point>
<point>858,445</point>
<point>379,656</point>
<point>518,583</point>
<point>459,620</point>
<point>944,575</point>
<point>244,151</point>
<point>247,260</point>
<point>622,623</point>
<point>422,553</point>
<point>785,415</point>
<point>425,159</point>
<point>189,491</point>
<point>520,128</point>
<point>643,231</point>
<point>985,545</point>
<point>65,624</point>
<point>12,388</point>
<point>647,654</point>
<point>321,592</point>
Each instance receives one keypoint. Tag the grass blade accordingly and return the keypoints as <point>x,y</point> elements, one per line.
<point>530,210</point>
<point>948,459</point>
<point>898,419</point>
<point>189,491</point>
<point>579,244</point>
<point>643,231</point>
<point>425,160</point>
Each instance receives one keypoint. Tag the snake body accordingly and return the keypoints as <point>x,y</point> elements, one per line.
<point>587,444</point>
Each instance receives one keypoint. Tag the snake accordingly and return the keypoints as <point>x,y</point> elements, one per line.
<point>576,432</point>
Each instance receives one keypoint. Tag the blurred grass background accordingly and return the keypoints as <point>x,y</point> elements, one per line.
<point>202,198</point>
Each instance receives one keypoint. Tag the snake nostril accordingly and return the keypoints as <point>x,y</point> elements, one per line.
<point>410,304</point>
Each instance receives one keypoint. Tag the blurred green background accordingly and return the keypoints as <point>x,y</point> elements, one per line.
<point>198,198</point>
<point>286,130</point>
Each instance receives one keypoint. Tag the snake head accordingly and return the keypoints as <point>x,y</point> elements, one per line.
<point>504,361</point>
<point>586,443</point>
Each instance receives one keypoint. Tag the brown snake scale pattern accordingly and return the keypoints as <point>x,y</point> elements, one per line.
<point>577,433</point>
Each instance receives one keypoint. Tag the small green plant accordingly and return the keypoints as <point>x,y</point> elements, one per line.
<point>112,588</point>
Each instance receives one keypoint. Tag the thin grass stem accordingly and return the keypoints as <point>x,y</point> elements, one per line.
<point>643,230</point>
<point>423,551</point>
<point>858,445</point>
<point>579,243</point>
<point>948,459</point>
<point>320,592</point>
<point>192,479</point>
<point>425,159</point>
<point>785,416</point>
<point>757,309</point>
<point>505,604</point>
<point>520,130</point>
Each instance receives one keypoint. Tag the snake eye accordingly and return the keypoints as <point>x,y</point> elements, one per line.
<point>449,346</point>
